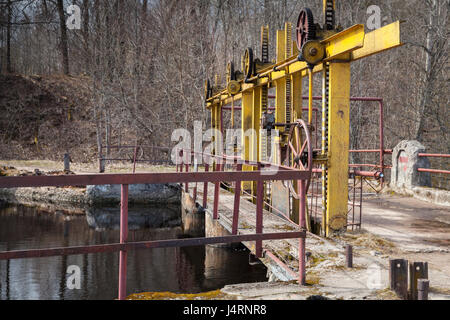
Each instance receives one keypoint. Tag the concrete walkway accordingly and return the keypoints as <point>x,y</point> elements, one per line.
<point>393,227</point>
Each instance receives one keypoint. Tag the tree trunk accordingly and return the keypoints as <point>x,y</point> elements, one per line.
<point>63,29</point>
<point>86,34</point>
<point>8,39</point>
<point>429,70</point>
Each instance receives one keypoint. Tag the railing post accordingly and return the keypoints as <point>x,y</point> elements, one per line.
<point>216,195</point>
<point>259,213</point>
<point>302,222</point>
<point>195,169</point>
<point>205,188</point>
<point>195,192</point>
<point>186,186</point>
<point>123,239</point>
<point>237,198</point>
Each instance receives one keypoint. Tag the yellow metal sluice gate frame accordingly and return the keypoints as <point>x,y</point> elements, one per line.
<point>327,50</point>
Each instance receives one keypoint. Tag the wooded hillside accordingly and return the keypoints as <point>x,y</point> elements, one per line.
<point>138,68</point>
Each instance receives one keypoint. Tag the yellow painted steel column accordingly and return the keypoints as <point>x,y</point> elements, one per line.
<point>255,139</point>
<point>338,145</point>
<point>246,136</point>
<point>213,124</point>
<point>216,124</point>
<point>256,119</point>
<point>310,96</point>
<point>219,144</point>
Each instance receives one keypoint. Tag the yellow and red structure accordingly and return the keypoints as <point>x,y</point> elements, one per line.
<point>327,51</point>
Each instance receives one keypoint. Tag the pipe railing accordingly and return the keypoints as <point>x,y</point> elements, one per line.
<point>288,173</point>
<point>281,173</point>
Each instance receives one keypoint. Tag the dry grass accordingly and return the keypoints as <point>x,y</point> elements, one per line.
<point>81,168</point>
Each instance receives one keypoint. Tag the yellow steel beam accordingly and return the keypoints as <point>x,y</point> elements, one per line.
<point>343,42</point>
<point>351,40</point>
<point>379,40</point>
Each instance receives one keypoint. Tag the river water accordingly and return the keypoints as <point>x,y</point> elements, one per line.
<point>180,270</point>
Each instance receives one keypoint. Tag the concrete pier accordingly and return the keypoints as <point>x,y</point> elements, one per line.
<point>285,251</point>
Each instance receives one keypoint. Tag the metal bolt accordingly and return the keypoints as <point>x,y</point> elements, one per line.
<point>313,51</point>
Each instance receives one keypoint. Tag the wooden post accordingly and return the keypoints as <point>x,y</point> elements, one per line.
<point>349,256</point>
<point>66,162</point>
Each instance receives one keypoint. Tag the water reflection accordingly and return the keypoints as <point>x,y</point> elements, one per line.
<point>183,270</point>
<point>138,217</point>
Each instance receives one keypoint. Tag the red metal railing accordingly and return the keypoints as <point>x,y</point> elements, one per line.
<point>159,155</point>
<point>281,173</point>
<point>259,198</point>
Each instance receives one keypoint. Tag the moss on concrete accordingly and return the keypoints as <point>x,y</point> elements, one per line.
<point>210,295</point>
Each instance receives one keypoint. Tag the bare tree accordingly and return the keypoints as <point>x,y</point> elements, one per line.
<point>64,43</point>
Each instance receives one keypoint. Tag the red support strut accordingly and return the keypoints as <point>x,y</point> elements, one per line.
<point>123,239</point>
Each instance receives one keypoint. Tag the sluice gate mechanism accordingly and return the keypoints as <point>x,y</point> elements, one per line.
<point>286,134</point>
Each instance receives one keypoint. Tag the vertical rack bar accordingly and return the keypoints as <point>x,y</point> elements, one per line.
<point>123,239</point>
<point>310,95</point>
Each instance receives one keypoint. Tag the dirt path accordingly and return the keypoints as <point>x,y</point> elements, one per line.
<point>419,230</point>
<point>411,224</point>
